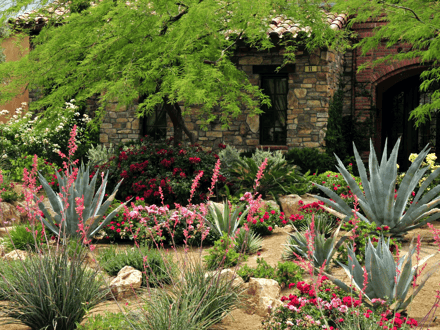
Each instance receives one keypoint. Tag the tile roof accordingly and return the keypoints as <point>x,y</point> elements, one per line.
<point>281,26</point>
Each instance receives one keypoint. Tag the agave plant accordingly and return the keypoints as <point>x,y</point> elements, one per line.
<point>386,279</point>
<point>247,241</point>
<point>379,203</point>
<point>324,248</point>
<point>67,216</point>
<point>226,222</point>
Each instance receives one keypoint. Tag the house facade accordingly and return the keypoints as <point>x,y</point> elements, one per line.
<point>300,95</point>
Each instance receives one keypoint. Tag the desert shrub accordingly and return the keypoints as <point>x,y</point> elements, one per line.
<point>44,135</point>
<point>100,154</point>
<point>266,220</point>
<point>153,225</point>
<point>21,237</point>
<point>284,273</point>
<point>109,321</point>
<point>360,233</point>
<point>340,310</point>
<point>147,166</point>
<point>279,177</point>
<point>157,269</point>
<point>325,222</point>
<point>311,159</point>
<point>52,290</point>
<point>223,254</point>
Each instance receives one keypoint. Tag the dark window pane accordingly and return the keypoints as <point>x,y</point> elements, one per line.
<point>273,120</point>
<point>155,124</point>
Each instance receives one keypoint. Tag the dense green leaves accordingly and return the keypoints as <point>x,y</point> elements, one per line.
<point>164,51</point>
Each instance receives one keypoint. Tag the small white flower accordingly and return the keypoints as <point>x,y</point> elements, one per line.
<point>5,156</point>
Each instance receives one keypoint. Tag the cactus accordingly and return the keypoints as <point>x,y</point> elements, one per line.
<point>379,203</point>
<point>386,279</point>
<point>67,217</point>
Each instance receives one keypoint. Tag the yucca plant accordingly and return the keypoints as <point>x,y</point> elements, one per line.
<point>323,248</point>
<point>379,203</point>
<point>387,279</point>
<point>68,217</point>
<point>247,241</point>
<point>226,222</point>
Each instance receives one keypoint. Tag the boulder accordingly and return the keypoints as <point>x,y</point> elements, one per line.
<point>126,282</point>
<point>273,204</point>
<point>9,214</point>
<point>227,275</point>
<point>16,255</point>
<point>290,205</point>
<point>264,294</point>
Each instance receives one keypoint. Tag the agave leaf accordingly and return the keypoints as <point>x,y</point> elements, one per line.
<point>363,176</point>
<point>409,182</point>
<point>338,204</point>
<point>404,280</point>
<point>348,178</point>
<point>417,214</point>
<point>432,271</point>
<point>425,185</point>
<point>51,195</point>
<point>94,228</point>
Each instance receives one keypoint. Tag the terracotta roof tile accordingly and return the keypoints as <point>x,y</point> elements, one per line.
<point>282,26</point>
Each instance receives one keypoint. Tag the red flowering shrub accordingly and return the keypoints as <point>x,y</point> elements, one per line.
<point>264,222</point>
<point>149,166</point>
<point>300,310</point>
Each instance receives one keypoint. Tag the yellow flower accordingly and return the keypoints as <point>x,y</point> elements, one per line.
<point>412,157</point>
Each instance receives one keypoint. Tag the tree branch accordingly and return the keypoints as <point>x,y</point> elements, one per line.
<point>223,51</point>
<point>172,20</point>
<point>404,8</point>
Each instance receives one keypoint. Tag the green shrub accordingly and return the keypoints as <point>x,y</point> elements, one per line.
<point>361,235</point>
<point>22,237</point>
<point>52,290</point>
<point>158,269</point>
<point>223,254</point>
<point>284,273</point>
<point>147,165</point>
<point>109,321</point>
<point>266,220</point>
<point>311,159</point>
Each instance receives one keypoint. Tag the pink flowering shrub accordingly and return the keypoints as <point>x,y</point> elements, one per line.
<point>330,307</point>
<point>146,166</point>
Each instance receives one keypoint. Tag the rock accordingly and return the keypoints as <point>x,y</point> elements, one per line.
<point>273,204</point>
<point>16,255</point>
<point>289,205</point>
<point>128,280</point>
<point>264,295</point>
<point>9,214</point>
<point>227,275</point>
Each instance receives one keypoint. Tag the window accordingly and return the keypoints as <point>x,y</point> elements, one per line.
<point>155,124</point>
<point>273,130</point>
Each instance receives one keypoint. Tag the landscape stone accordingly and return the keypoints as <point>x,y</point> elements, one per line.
<point>126,282</point>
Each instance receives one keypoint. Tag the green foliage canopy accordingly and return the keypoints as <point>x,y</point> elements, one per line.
<point>411,22</point>
<point>164,51</point>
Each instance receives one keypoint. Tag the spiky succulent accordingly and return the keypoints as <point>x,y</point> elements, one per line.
<point>380,203</point>
<point>247,241</point>
<point>226,222</point>
<point>323,248</point>
<point>67,217</point>
<point>387,279</point>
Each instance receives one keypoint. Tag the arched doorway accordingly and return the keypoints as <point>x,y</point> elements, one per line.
<point>397,101</point>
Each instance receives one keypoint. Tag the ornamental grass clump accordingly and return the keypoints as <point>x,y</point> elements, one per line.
<point>380,202</point>
<point>51,290</point>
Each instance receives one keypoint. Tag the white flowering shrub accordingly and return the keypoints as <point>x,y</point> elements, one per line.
<point>42,134</point>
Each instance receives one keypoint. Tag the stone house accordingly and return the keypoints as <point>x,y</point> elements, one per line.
<point>300,95</point>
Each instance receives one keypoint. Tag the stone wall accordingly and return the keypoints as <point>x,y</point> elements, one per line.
<point>311,83</point>
<point>311,87</point>
<point>120,124</point>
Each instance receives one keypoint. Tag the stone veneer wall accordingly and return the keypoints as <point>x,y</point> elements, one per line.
<point>120,124</point>
<point>311,87</point>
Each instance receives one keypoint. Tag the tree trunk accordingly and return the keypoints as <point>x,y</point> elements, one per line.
<point>175,114</point>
